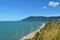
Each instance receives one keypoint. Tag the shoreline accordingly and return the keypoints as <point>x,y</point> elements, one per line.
<point>31,35</point>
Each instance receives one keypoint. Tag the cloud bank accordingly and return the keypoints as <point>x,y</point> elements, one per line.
<point>53,4</point>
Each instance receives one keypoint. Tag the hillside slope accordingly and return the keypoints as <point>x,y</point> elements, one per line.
<point>51,31</point>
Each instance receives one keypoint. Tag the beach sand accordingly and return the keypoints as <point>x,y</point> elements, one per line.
<point>31,35</point>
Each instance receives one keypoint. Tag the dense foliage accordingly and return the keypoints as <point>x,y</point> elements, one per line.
<point>41,18</point>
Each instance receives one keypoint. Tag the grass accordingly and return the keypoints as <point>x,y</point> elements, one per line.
<point>51,31</point>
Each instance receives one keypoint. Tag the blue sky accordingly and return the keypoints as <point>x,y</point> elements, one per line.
<point>12,10</point>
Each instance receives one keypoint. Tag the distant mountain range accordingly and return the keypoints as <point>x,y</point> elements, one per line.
<point>41,18</point>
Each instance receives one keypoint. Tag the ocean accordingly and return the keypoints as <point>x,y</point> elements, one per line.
<point>14,30</point>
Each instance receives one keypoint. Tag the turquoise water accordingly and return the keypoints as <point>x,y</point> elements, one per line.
<point>15,30</point>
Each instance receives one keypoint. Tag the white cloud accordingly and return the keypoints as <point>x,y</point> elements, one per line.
<point>44,7</point>
<point>53,4</point>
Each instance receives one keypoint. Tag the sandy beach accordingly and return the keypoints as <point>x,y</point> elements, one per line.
<point>31,35</point>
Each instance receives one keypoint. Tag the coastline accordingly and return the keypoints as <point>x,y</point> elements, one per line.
<point>31,35</point>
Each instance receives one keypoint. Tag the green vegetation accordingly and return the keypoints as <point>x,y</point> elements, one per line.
<point>41,18</point>
<point>51,31</point>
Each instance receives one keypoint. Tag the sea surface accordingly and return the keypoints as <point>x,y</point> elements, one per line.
<point>14,30</point>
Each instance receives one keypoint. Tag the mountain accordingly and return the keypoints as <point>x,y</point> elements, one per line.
<point>51,30</point>
<point>41,18</point>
